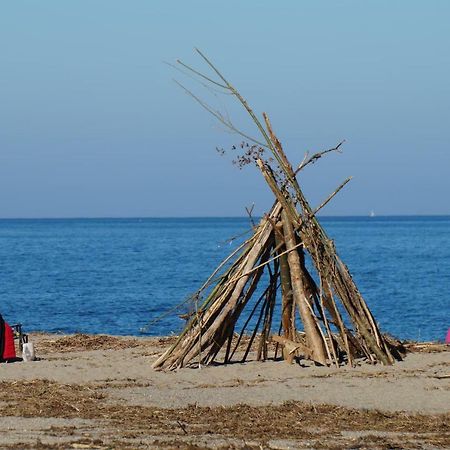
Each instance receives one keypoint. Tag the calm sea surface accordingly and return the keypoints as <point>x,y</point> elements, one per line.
<point>116,275</point>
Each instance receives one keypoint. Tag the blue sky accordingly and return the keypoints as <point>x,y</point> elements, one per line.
<point>92,125</point>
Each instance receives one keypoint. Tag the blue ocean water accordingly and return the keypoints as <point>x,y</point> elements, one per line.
<point>116,275</point>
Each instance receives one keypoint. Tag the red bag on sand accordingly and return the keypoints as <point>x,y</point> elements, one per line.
<point>7,347</point>
<point>10,349</point>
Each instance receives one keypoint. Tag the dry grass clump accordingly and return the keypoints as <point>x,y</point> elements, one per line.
<point>44,398</point>
<point>87,342</point>
<point>426,347</point>
<point>323,425</point>
<point>293,419</point>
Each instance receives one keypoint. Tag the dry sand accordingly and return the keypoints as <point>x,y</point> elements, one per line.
<point>100,392</point>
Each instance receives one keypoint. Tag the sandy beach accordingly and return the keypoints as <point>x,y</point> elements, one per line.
<point>101,392</point>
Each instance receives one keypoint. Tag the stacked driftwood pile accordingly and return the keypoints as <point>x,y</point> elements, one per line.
<point>322,315</point>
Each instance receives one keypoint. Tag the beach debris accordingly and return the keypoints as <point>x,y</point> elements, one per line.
<point>289,265</point>
<point>7,346</point>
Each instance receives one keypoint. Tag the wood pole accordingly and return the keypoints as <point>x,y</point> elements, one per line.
<point>287,303</point>
<point>313,336</point>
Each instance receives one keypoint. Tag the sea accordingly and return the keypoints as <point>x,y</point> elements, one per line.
<point>136,276</point>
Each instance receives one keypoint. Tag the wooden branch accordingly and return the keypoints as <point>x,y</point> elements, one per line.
<point>327,200</point>
<point>249,213</point>
<point>293,348</point>
<point>318,155</point>
<point>218,116</point>
<point>201,75</point>
<point>313,336</point>
<point>288,324</point>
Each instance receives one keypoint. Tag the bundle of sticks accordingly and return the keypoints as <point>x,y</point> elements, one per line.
<point>322,315</point>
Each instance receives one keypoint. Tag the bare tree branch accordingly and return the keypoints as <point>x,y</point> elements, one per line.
<point>201,74</point>
<point>219,116</point>
<point>330,197</point>
<point>317,156</point>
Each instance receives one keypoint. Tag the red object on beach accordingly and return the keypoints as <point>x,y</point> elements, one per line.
<point>7,348</point>
<point>447,339</point>
<point>10,349</point>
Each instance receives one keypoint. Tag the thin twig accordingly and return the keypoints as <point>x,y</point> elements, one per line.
<point>218,115</point>
<point>201,74</point>
<point>313,213</point>
<point>318,155</point>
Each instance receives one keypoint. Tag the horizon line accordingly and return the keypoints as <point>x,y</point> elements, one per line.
<point>211,217</point>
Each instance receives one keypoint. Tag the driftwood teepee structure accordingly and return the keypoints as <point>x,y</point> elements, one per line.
<point>322,315</point>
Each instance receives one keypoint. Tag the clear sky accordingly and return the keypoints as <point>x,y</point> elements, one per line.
<point>92,125</point>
